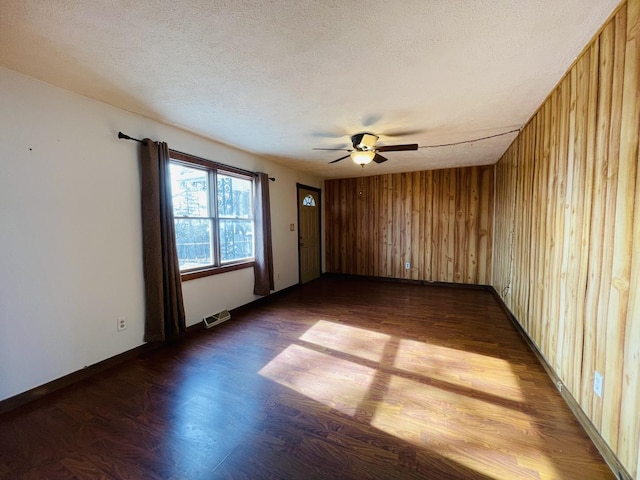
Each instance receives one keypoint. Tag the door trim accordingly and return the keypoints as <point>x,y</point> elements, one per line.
<point>298,200</point>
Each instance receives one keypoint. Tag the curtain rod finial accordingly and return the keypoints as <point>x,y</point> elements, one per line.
<point>127,137</point>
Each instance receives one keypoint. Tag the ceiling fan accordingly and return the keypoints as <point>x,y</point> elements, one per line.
<point>364,149</point>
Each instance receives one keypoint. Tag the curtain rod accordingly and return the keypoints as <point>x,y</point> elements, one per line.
<point>127,137</point>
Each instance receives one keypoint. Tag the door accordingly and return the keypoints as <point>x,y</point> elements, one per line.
<point>308,233</point>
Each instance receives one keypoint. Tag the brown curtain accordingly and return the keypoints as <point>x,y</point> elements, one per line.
<point>164,312</point>
<point>263,269</point>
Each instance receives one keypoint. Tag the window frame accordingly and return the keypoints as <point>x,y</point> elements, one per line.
<point>212,168</point>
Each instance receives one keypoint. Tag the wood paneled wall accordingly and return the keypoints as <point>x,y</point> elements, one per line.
<point>567,231</point>
<point>439,221</point>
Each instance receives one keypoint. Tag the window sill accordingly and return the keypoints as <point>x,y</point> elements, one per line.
<point>205,272</point>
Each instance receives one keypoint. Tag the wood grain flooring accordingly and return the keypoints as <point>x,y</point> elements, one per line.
<point>340,378</point>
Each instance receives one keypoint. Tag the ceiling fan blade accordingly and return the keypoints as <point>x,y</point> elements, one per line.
<point>379,158</point>
<point>341,158</point>
<point>403,133</point>
<point>337,149</point>
<point>397,148</point>
<point>372,119</point>
<point>336,133</point>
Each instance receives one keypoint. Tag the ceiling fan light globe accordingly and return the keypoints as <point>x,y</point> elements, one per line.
<point>362,157</point>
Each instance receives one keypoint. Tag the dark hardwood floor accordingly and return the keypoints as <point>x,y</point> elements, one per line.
<point>340,378</point>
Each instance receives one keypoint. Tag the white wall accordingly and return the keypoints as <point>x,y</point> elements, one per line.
<point>70,236</point>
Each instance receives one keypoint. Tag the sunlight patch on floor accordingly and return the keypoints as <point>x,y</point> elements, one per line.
<point>455,367</point>
<point>334,382</point>
<point>354,341</point>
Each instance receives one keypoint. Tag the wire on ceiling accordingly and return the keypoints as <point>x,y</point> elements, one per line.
<point>470,141</point>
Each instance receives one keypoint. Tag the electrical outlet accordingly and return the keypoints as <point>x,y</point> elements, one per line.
<point>597,383</point>
<point>407,266</point>
<point>121,323</point>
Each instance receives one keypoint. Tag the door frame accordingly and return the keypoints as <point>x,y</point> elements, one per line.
<point>298,200</point>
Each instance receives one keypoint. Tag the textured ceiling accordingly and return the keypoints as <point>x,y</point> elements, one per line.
<point>279,77</point>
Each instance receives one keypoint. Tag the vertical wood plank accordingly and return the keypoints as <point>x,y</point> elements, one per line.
<point>540,326</point>
<point>571,336</point>
<point>588,328</point>
<point>562,236</point>
<point>343,227</point>
<point>427,221</point>
<point>374,225</point>
<point>417,240</point>
<point>387,193</point>
<point>459,230</point>
<point>550,291</point>
<point>407,205</point>
<point>485,231</point>
<point>449,220</point>
<point>360,222</point>
<point>610,86</point>
<point>629,433</point>
<point>597,189</point>
<point>533,174</point>
<point>471,227</point>
<point>397,270</point>
<point>624,171</point>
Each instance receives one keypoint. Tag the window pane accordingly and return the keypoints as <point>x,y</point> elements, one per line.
<point>193,238</point>
<point>309,201</point>
<point>236,239</point>
<point>189,191</point>
<point>234,197</point>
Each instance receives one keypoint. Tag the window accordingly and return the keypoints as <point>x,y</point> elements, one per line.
<point>308,201</point>
<point>213,213</point>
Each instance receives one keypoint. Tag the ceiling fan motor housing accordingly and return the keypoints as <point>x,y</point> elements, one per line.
<point>364,141</point>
